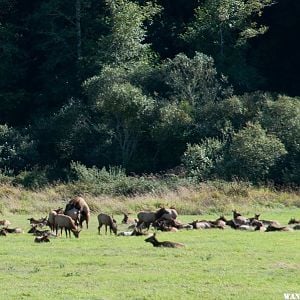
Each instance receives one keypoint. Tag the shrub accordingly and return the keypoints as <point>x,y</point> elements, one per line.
<point>115,182</point>
<point>34,179</point>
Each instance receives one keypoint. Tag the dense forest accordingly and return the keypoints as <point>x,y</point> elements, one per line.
<point>209,88</point>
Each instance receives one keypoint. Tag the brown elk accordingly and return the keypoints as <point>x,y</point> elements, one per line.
<point>104,219</point>
<point>152,239</point>
<point>80,204</point>
<point>148,217</point>
<point>66,222</point>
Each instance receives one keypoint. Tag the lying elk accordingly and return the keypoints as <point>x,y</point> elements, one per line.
<point>273,227</point>
<point>135,232</point>
<point>104,219</point>
<point>66,222</point>
<point>42,239</point>
<point>167,225</point>
<point>5,223</point>
<point>127,220</point>
<point>293,221</point>
<point>152,239</point>
<point>40,222</point>
<point>37,232</point>
<point>239,219</point>
<point>3,232</point>
<point>13,230</point>
<point>200,224</point>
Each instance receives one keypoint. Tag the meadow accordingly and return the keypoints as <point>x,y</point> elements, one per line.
<point>214,264</point>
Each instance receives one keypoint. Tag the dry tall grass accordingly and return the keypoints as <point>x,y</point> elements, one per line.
<point>213,197</point>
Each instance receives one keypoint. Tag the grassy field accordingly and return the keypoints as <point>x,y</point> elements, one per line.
<point>214,264</point>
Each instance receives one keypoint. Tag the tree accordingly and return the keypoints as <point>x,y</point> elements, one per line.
<point>14,99</point>
<point>126,42</point>
<point>192,79</point>
<point>281,117</point>
<point>123,108</point>
<point>115,94</point>
<point>253,153</point>
<point>221,29</point>
<point>17,150</point>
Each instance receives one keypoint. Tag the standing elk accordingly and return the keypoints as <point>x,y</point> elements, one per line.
<point>52,214</point>
<point>148,217</point>
<point>104,219</point>
<point>66,222</point>
<point>80,204</point>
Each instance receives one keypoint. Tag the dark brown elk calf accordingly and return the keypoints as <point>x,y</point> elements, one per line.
<point>152,239</point>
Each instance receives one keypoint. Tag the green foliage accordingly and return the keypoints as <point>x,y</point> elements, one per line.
<point>122,107</point>
<point>17,151</point>
<point>282,117</point>
<point>125,43</point>
<point>192,79</point>
<point>113,181</point>
<point>6,177</point>
<point>202,160</point>
<point>221,29</point>
<point>253,153</point>
<point>34,179</point>
<point>80,81</point>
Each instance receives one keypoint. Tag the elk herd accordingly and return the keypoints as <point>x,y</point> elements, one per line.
<point>77,212</point>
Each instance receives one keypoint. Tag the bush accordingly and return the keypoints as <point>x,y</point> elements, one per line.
<point>115,182</point>
<point>6,177</point>
<point>34,179</point>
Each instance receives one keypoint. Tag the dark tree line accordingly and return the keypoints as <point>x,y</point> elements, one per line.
<point>149,85</point>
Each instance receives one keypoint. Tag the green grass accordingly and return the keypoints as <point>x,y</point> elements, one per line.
<point>215,264</point>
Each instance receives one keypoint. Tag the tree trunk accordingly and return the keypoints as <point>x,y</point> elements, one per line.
<point>78,27</point>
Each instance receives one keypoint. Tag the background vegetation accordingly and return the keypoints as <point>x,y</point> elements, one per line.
<point>209,89</point>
